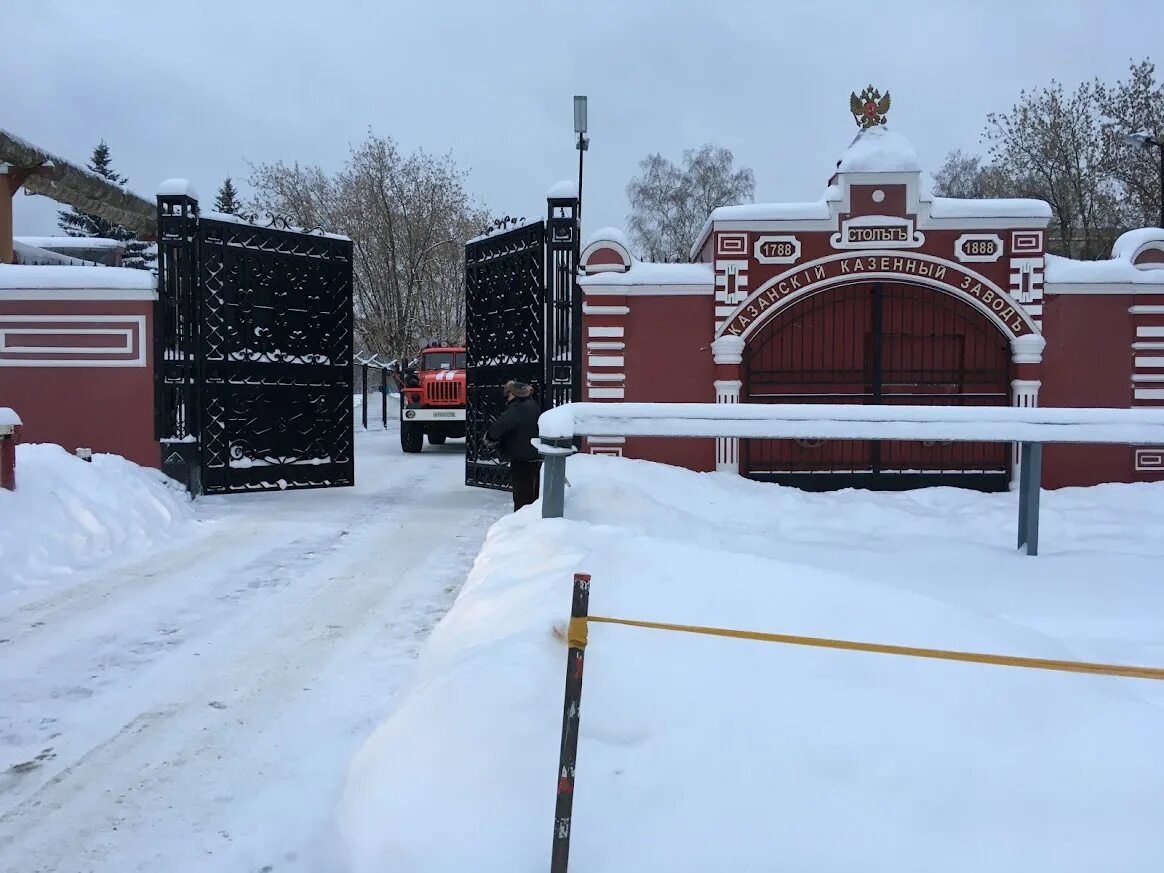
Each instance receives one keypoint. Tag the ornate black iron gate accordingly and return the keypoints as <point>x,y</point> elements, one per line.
<point>878,343</point>
<point>253,340</point>
<point>522,321</point>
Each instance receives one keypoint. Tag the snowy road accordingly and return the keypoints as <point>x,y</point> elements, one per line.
<point>197,710</point>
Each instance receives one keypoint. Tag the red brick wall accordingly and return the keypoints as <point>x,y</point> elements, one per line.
<point>80,372</point>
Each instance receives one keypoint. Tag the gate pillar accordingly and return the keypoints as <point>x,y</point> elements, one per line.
<point>1027,354</point>
<point>728,353</point>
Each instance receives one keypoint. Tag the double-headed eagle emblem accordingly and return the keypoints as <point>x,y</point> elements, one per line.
<point>869,108</point>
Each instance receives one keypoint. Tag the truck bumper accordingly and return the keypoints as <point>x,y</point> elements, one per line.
<point>407,414</point>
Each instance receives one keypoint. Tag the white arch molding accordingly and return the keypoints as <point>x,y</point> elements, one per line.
<point>865,276</point>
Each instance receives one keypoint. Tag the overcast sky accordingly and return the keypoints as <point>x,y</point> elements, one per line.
<point>199,89</point>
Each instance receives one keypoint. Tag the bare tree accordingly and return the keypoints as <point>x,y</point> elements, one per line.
<point>409,217</point>
<point>1068,149</point>
<point>669,204</point>
<point>1132,106</point>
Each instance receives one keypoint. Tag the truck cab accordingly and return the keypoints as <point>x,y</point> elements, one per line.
<point>432,398</point>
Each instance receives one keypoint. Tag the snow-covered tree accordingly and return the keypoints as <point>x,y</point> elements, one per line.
<point>670,203</point>
<point>74,222</point>
<point>227,200</point>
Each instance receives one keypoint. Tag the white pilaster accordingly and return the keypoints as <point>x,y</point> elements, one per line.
<point>1025,395</point>
<point>727,449</point>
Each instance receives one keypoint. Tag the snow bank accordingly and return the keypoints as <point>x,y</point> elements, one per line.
<point>704,754</point>
<point>67,514</point>
<point>879,150</point>
<point>26,277</point>
<point>835,421</point>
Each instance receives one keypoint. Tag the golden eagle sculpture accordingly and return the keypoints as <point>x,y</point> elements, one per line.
<point>869,108</point>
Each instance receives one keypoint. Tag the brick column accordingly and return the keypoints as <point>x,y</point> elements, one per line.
<point>728,352</point>
<point>9,435</point>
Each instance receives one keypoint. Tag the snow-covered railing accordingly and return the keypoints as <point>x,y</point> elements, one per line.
<point>1030,427</point>
<point>838,421</point>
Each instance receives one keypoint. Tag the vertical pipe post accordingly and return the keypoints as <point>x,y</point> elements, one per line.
<point>364,389</point>
<point>571,713</point>
<point>1024,492</point>
<point>384,398</point>
<point>1033,467</point>
<point>554,478</point>
<point>1030,484</point>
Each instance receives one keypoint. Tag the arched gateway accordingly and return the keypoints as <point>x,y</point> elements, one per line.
<point>885,343</point>
<point>876,293</point>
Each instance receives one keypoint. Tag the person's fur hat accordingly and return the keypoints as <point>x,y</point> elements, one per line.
<point>517,389</point>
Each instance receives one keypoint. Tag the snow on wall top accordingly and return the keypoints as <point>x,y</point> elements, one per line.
<point>608,234</point>
<point>950,207</point>
<point>25,277</point>
<point>879,150</point>
<point>9,418</point>
<point>1114,271</point>
<point>26,254</point>
<point>70,242</point>
<point>648,273</point>
<point>1129,243</point>
<point>177,188</point>
<point>567,188</point>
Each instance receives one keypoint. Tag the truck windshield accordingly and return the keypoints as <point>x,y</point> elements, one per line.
<point>444,361</point>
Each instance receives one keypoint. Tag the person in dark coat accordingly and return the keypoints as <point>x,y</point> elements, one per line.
<point>510,436</point>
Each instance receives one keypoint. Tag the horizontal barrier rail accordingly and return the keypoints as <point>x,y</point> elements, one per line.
<point>852,421</point>
<point>577,636</point>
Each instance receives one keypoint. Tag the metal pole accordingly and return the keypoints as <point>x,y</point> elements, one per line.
<point>571,712</point>
<point>1030,485</point>
<point>384,398</point>
<point>554,480</point>
<point>582,151</point>
<point>1160,149</point>
<point>364,377</point>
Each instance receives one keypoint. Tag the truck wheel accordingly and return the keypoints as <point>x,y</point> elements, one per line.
<point>411,437</point>
<point>436,439</point>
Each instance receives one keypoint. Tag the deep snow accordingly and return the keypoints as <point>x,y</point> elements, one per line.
<point>69,514</point>
<point>194,706</point>
<point>710,754</point>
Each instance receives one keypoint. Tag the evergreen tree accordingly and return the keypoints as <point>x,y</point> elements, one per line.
<point>227,200</point>
<point>74,222</point>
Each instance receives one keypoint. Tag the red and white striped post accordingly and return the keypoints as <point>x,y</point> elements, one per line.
<point>9,432</point>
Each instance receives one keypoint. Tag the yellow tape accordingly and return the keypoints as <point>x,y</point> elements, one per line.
<point>576,633</point>
<point>909,651</point>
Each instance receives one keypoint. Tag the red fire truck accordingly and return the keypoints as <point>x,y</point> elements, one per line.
<point>432,398</point>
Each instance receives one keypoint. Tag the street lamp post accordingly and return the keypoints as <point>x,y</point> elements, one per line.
<point>1147,141</point>
<point>582,145</point>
